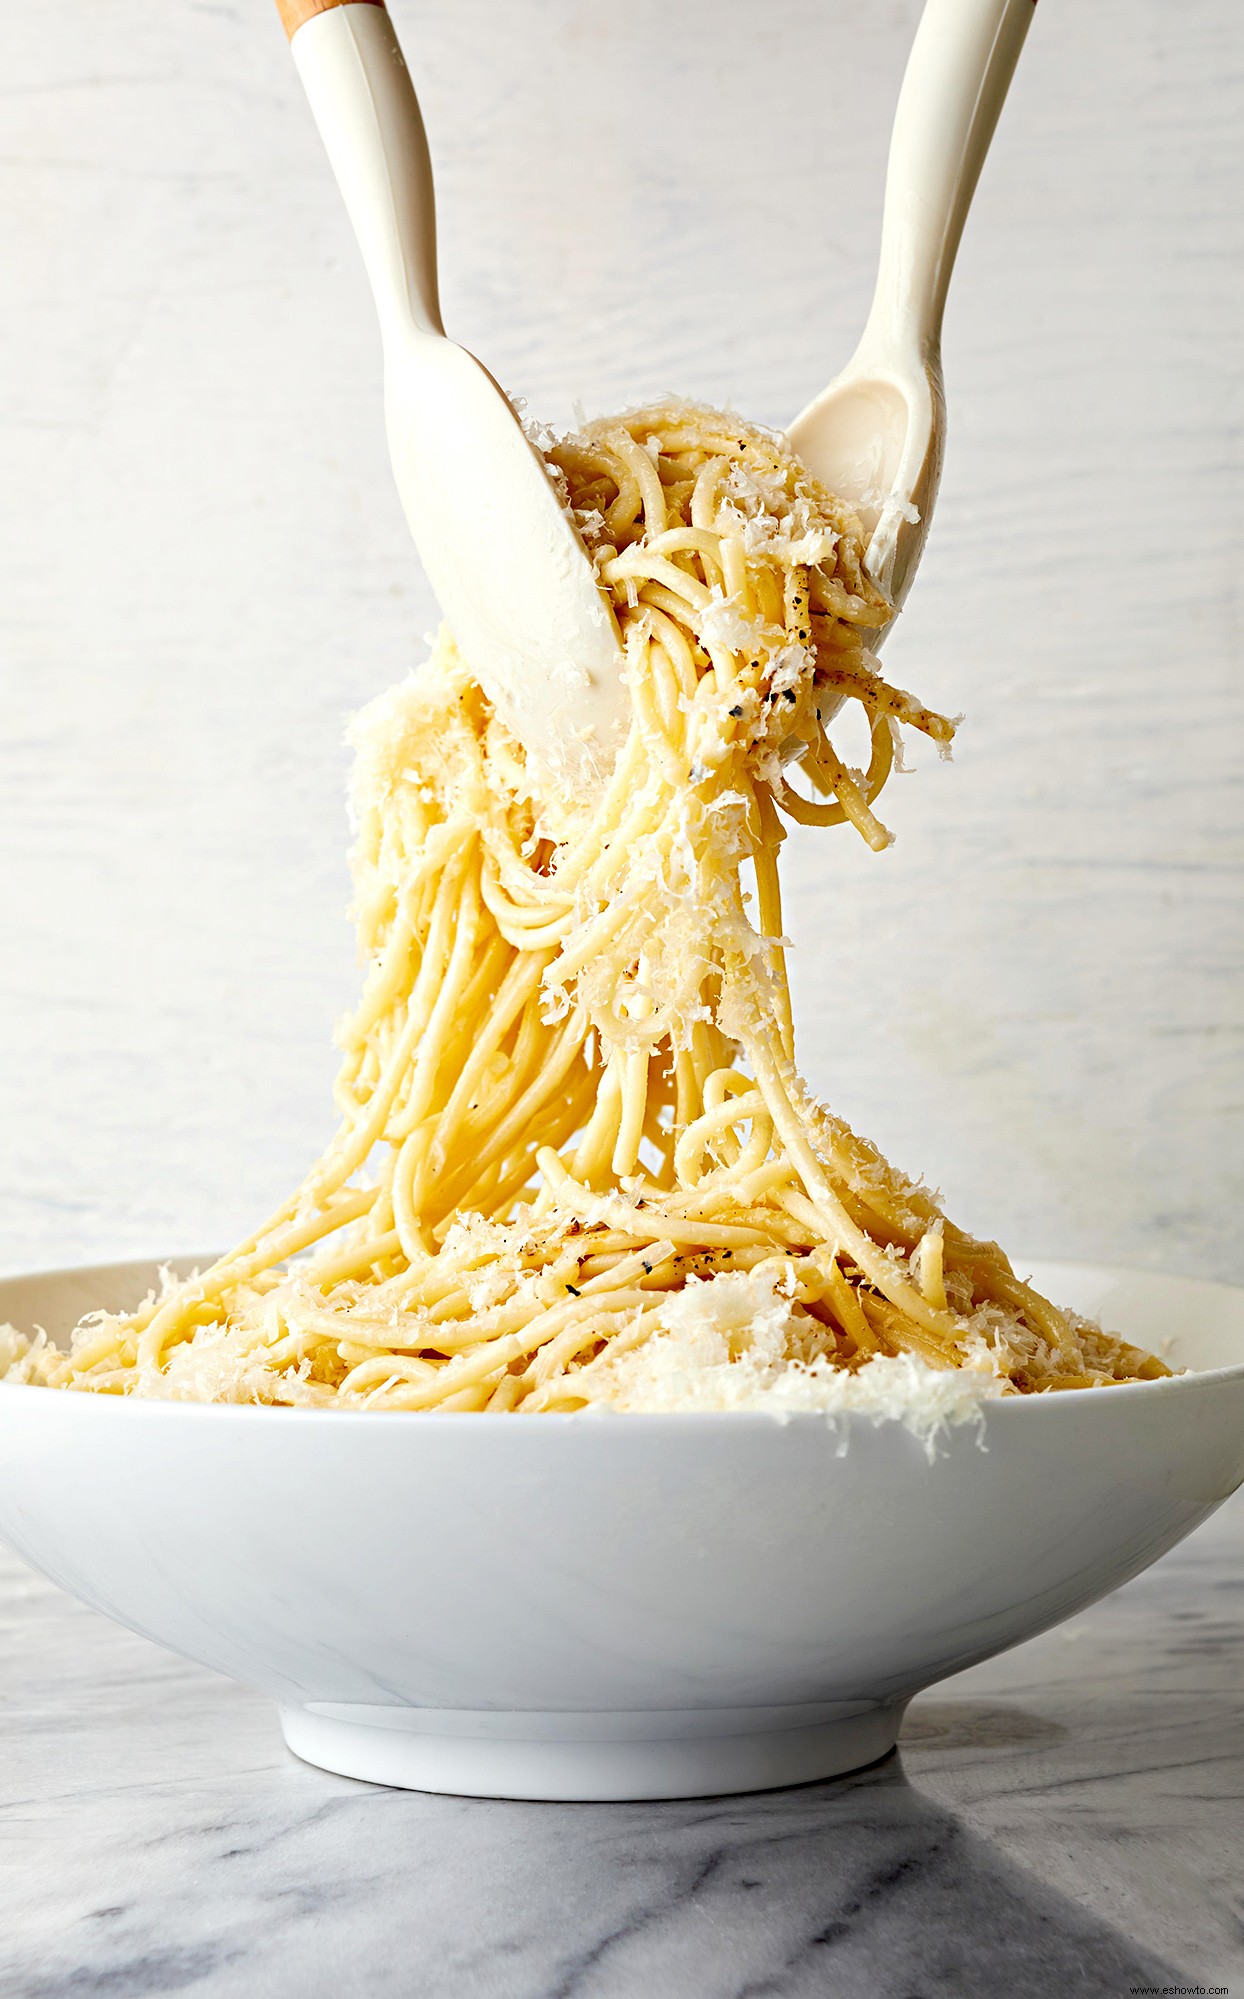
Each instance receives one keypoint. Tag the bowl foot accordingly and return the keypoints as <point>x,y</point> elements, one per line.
<point>693,1753</point>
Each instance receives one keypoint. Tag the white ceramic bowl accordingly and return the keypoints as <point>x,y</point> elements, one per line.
<point>612,1606</point>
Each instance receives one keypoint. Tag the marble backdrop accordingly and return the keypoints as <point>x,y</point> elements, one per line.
<point>1035,997</point>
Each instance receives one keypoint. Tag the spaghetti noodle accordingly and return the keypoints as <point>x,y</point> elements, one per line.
<point>573,1139</point>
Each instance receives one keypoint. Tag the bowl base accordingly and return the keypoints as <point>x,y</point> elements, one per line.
<point>577,1757</point>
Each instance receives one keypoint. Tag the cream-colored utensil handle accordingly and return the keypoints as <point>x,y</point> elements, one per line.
<point>364,103</point>
<point>957,76</point>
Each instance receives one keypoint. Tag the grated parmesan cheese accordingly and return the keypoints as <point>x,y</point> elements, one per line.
<point>724,1343</point>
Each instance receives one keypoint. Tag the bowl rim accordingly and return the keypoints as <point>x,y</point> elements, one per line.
<point>1191,1380</point>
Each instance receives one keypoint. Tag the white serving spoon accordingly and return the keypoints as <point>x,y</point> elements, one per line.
<point>506,563</point>
<point>875,435</point>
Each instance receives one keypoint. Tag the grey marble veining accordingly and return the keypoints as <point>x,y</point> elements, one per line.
<point>1067,1819</point>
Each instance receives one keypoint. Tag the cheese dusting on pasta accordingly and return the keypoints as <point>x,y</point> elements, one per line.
<point>576,1163</point>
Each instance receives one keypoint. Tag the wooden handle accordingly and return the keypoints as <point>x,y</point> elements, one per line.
<point>294,12</point>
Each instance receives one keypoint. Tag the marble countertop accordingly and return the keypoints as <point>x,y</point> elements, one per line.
<point>1065,1819</point>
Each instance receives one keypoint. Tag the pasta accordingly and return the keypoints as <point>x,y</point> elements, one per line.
<point>573,1136</point>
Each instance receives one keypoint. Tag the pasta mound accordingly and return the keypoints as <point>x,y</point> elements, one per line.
<point>576,1163</point>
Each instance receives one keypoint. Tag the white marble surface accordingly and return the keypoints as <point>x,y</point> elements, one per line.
<point>1068,1819</point>
<point>1035,997</point>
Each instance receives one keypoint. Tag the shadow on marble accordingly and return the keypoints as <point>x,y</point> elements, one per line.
<point>861,1887</point>
<point>958,1725</point>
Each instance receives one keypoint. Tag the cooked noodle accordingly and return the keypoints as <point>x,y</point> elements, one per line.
<point>568,1093</point>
